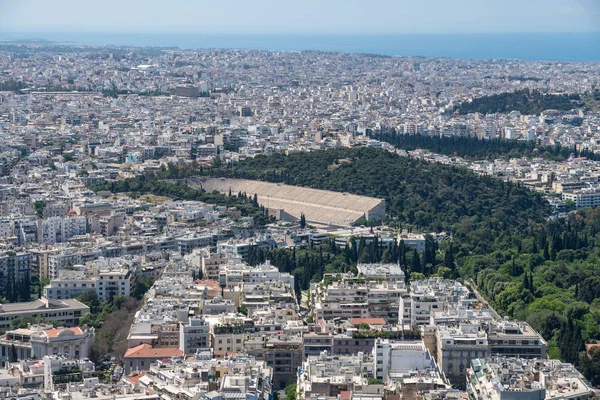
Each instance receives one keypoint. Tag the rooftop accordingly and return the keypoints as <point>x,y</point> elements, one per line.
<point>146,351</point>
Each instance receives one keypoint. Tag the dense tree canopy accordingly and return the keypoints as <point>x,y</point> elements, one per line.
<point>427,196</point>
<point>529,102</point>
<point>481,149</point>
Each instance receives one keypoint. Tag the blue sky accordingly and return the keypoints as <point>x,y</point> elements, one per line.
<point>300,16</point>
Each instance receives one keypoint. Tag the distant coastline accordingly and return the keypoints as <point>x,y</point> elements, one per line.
<point>573,47</point>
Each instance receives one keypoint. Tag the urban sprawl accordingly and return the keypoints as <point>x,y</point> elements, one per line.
<point>194,309</point>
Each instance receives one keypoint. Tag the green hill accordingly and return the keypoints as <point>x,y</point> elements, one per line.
<point>528,102</point>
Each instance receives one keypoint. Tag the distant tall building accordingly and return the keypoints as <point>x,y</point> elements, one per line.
<point>187,91</point>
<point>245,111</point>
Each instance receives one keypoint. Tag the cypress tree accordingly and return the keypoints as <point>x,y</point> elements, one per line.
<point>415,262</point>
<point>13,354</point>
<point>403,254</point>
<point>531,286</point>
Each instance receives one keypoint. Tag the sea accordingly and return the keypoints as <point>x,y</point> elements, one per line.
<point>580,47</point>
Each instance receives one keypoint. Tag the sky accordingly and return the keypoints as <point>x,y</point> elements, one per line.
<point>300,16</point>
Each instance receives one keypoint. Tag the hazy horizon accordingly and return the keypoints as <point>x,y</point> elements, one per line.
<point>264,17</point>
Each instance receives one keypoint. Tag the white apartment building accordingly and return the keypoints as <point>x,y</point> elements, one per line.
<point>396,359</point>
<point>414,240</point>
<point>217,306</point>
<point>589,197</point>
<point>106,283</point>
<point>387,272</point>
<point>194,335</point>
<point>417,309</point>
<point>234,273</point>
<point>111,283</point>
<point>70,284</point>
<point>70,257</point>
<point>26,231</point>
<point>60,229</point>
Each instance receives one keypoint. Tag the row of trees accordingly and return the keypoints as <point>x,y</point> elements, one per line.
<point>112,320</point>
<point>309,263</point>
<point>12,85</point>
<point>481,149</point>
<point>17,288</point>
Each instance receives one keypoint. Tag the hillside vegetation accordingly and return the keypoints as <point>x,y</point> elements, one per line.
<point>530,267</point>
<point>427,196</point>
<point>529,102</point>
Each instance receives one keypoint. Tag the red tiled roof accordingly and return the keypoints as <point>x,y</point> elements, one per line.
<point>52,333</point>
<point>590,346</point>
<point>135,379</point>
<point>146,351</point>
<point>214,285</point>
<point>369,321</point>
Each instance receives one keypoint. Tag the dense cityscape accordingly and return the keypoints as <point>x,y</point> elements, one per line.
<point>221,224</point>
